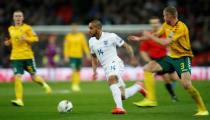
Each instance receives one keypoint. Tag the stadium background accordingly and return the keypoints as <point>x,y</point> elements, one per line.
<point>50,17</point>
<point>94,102</point>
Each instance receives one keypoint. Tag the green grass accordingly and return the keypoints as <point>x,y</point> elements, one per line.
<point>95,103</point>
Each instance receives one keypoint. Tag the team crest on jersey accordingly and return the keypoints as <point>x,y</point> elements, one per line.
<point>105,42</point>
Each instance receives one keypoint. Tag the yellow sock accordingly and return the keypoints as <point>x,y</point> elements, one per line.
<point>197,98</point>
<point>149,83</point>
<point>39,80</point>
<point>75,78</point>
<point>18,88</point>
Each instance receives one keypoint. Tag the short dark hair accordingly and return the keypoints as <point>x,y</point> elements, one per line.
<point>97,23</point>
<point>172,10</point>
<point>18,11</point>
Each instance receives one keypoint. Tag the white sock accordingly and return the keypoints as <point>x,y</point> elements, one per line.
<point>116,95</point>
<point>132,90</point>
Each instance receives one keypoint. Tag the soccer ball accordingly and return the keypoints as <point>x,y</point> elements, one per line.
<point>64,106</point>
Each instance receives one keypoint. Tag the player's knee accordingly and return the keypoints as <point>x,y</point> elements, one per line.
<point>186,84</point>
<point>112,80</point>
<point>147,69</point>
<point>76,70</point>
<point>166,79</point>
<point>186,80</point>
<point>18,75</point>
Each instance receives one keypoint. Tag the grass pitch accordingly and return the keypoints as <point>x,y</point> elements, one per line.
<point>95,102</point>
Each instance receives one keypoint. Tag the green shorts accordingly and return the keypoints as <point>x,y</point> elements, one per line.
<point>180,65</point>
<point>75,63</point>
<point>26,64</point>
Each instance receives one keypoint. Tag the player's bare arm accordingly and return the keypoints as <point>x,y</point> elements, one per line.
<point>131,54</point>
<point>88,56</point>
<point>165,41</point>
<point>66,58</point>
<point>7,42</point>
<point>129,49</point>
<point>136,38</point>
<point>94,65</point>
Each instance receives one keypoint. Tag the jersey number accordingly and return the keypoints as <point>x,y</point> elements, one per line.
<point>100,51</point>
<point>182,66</point>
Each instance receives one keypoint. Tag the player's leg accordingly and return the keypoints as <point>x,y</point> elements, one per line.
<point>116,84</point>
<point>174,78</point>
<point>137,87</point>
<point>30,67</point>
<point>38,79</point>
<point>186,82</point>
<point>76,64</point>
<point>183,69</point>
<point>168,85</point>
<point>18,71</point>
<point>149,83</point>
<point>149,80</point>
<point>117,91</point>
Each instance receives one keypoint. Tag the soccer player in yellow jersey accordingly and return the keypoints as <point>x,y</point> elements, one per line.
<point>180,54</point>
<point>22,58</point>
<point>75,45</point>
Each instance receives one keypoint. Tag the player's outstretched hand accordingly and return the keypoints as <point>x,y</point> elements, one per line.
<point>134,61</point>
<point>7,42</point>
<point>133,38</point>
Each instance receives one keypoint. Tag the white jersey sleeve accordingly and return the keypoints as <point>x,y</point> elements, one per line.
<point>91,51</point>
<point>91,47</point>
<point>118,40</point>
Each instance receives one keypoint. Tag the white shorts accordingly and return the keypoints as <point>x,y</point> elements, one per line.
<point>115,68</point>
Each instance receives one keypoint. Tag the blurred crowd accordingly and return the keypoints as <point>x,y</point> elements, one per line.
<point>195,13</point>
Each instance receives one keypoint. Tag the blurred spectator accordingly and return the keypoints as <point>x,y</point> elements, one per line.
<point>52,56</point>
<point>52,52</point>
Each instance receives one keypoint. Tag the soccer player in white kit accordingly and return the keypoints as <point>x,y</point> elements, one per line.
<point>103,50</point>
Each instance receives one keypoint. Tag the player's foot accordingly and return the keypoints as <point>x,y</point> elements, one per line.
<point>142,90</point>
<point>174,99</point>
<point>201,113</point>
<point>146,103</point>
<point>17,102</point>
<point>47,88</point>
<point>75,88</point>
<point>118,111</point>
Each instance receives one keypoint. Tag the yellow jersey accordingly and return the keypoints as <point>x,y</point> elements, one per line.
<point>75,44</point>
<point>180,45</point>
<point>21,49</point>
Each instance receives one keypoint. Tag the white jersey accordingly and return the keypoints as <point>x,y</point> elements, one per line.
<point>105,47</point>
